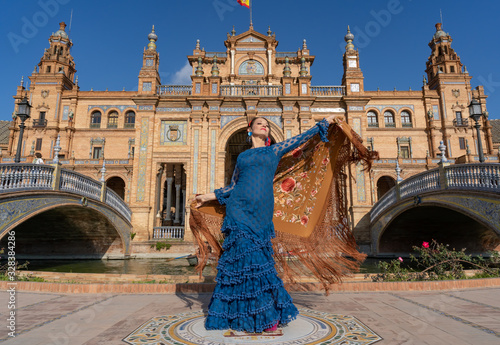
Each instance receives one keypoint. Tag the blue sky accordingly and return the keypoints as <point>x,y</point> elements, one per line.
<point>109,37</point>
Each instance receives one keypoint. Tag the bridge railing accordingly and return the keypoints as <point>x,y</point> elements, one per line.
<point>19,177</point>
<point>114,200</point>
<point>33,177</point>
<point>80,184</point>
<point>477,176</point>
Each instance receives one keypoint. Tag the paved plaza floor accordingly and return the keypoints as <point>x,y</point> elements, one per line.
<point>457,317</point>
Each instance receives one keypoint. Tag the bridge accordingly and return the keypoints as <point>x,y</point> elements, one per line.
<point>457,205</point>
<point>60,213</point>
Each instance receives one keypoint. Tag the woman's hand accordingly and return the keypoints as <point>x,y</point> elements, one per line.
<point>203,198</point>
<point>330,119</point>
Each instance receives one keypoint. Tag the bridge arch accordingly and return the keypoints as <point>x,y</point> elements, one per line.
<point>463,219</point>
<point>54,224</point>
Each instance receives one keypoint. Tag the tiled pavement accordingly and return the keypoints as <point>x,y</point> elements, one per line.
<point>455,317</point>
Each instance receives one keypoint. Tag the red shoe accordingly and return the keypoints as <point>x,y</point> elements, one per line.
<point>272,329</point>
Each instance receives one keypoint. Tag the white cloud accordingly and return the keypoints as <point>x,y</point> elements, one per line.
<point>182,76</point>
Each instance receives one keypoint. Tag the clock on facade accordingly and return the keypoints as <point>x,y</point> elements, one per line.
<point>355,87</point>
<point>352,63</point>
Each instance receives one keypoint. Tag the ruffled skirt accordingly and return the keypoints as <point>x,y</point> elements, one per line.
<point>249,295</point>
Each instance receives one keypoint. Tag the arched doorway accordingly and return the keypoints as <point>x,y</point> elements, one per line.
<point>117,185</point>
<point>427,223</point>
<point>384,184</point>
<point>237,143</point>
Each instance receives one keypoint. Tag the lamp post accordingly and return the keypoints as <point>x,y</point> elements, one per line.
<point>23,112</point>
<point>476,113</point>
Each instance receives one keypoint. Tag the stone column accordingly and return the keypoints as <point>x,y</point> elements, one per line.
<point>169,198</point>
<point>183,206</point>
<point>177,203</point>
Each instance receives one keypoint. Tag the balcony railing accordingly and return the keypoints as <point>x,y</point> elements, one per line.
<point>285,54</point>
<point>129,125</point>
<point>390,124</point>
<point>328,90</point>
<point>168,232</point>
<point>461,122</point>
<point>218,54</point>
<point>251,90</point>
<point>407,124</point>
<point>174,90</point>
<point>373,124</point>
<point>39,123</point>
<point>95,125</point>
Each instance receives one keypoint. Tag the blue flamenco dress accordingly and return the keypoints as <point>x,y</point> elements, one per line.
<point>249,296</point>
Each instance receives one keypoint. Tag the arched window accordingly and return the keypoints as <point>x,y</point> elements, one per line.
<point>372,119</point>
<point>95,119</point>
<point>130,119</point>
<point>405,119</point>
<point>113,119</point>
<point>389,119</point>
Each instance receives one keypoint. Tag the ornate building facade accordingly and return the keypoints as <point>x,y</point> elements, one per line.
<point>163,144</point>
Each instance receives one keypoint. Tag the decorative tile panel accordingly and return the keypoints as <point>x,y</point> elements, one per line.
<point>174,110</point>
<point>195,160</point>
<point>143,155</point>
<point>197,107</point>
<point>65,113</point>
<point>251,67</point>
<point>104,108</point>
<point>146,86</point>
<point>360,182</point>
<point>304,108</point>
<point>173,133</point>
<point>329,110</point>
<point>197,88</point>
<point>214,107</point>
<point>225,119</point>
<point>57,106</point>
<point>270,110</point>
<point>288,89</point>
<point>395,107</point>
<point>275,119</point>
<point>356,125</point>
<point>214,88</point>
<point>435,110</point>
<point>145,107</point>
<point>228,109</point>
<point>356,108</point>
<point>213,154</point>
<point>288,133</point>
<point>288,108</point>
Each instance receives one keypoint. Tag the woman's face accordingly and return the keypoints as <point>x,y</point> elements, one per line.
<point>260,127</point>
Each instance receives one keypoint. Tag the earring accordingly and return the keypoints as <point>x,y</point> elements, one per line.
<point>249,138</point>
<point>268,141</point>
<point>249,134</point>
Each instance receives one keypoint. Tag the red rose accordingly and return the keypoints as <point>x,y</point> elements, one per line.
<point>325,161</point>
<point>297,153</point>
<point>288,184</point>
<point>314,192</point>
<point>304,220</point>
<point>425,244</point>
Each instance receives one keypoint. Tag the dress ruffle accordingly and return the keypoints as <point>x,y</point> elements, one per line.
<point>221,198</point>
<point>249,295</point>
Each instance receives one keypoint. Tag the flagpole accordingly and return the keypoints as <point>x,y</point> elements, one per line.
<point>250,3</point>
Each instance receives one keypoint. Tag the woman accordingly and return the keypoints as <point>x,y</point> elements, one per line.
<point>249,295</point>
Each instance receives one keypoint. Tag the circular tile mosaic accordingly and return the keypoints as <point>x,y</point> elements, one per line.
<point>310,327</point>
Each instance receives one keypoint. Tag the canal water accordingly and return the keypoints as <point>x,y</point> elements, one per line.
<point>178,266</point>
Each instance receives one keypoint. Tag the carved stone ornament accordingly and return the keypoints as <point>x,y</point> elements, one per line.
<point>173,133</point>
<point>456,93</point>
<point>45,93</point>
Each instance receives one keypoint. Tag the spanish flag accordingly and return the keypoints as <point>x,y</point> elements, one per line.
<point>245,3</point>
